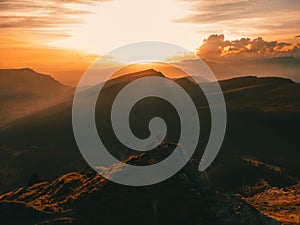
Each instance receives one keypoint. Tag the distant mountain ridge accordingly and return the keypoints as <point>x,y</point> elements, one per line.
<point>24,91</point>
<point>265,94</point>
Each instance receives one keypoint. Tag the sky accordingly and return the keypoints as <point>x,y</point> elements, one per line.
<point>63,37</point>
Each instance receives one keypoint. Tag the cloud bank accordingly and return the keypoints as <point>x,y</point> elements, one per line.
<point>216,47</point>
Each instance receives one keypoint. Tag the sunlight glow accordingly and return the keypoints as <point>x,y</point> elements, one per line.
<point>121,22</point>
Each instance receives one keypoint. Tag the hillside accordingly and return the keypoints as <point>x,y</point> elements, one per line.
<point>24,91</point>
<point>265,94</point>
<point>43,140</point>
<point>282,204</point>
<point>260,152</point>
<point>86,198</point>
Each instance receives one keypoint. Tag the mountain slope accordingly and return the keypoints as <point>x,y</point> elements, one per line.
<point>266,94</point>
<point>261,125</point>
<point>85,198</point>
<point>281,204</point>
<point>24,91</point>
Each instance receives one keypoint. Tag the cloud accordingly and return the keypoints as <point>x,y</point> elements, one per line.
<point>48,16</point>
<point>246,18</point>
<point>216,47</point>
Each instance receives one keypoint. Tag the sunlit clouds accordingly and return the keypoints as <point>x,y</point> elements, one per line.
<point>33,20</point>
<point>215,46</point>
<point>98,26</point>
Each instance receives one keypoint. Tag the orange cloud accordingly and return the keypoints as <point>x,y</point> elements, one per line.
<point>216,47</point>
<point>48,18</point>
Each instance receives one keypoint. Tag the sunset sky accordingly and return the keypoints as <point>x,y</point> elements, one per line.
<point>62,37</point>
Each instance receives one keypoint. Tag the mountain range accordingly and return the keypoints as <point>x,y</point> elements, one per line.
<point>260,149</point>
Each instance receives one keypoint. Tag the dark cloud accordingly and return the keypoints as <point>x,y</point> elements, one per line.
<point>248,18</point>
<point>297,36</point>
<point>216,47</point>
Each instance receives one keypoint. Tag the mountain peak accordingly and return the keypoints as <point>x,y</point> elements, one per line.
<point>134,75</point>
<point>25,87</point>
<point>27,69</point>
<point>150,71</point>
<point>27,74</point>
<point>147,72</point>
<point>21,71</point>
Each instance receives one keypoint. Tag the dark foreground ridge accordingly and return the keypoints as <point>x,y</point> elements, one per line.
<point>85,198</point>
